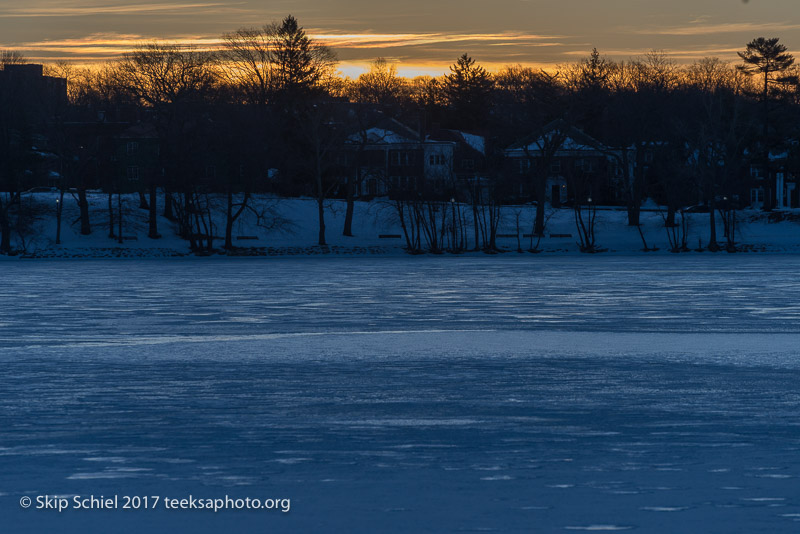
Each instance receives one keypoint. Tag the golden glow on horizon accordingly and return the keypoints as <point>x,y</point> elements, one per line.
<point>101,47</point>
<point>419,36</point>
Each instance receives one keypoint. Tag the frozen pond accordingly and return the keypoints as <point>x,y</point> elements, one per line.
<point>508,394</point>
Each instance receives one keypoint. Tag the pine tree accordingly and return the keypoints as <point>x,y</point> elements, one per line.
<point>594,72</point>
<point>468,89</point>
<point>769,58</point>
<point>300,64</point>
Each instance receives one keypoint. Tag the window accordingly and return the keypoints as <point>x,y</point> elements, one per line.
<point>436,159</point>
<point>757,172</point>
<point>399,159</point>
<point>133,173</point>
<point>586,165</point>
<point>211,172</point>
<point>524,166</point>
<point>756,195</point>
<point>555,166</point>
<point>132,147</point>
<point>468,164</point>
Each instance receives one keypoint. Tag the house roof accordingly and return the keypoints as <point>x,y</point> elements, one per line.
<point>379,136</point>
<point>575,140</point>
<point>374,127</point>
<point>472,141</point>
<point>140,130</point>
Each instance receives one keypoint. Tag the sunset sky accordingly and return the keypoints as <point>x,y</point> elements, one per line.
<point>424,36</point>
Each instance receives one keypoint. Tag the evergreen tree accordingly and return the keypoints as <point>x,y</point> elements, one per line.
<point>300,65</point>
<point>468,89</point>
<point>769,58</point>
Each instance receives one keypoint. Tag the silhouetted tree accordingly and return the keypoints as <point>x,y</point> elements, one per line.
<point>468,89</point>
<point>299,64</point>
<point>247,58</point>
<point>173,82</point>
<point>768,58</point>
<point>379,85</point>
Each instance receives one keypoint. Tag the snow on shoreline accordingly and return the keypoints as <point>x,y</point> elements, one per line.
<point>377,232</point>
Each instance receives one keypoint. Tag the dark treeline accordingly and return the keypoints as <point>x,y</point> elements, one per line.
<point>195,131</point>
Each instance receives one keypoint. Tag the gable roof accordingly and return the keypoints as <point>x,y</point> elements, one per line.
<point>379,129</point>
<point>472,141</point>
<point>574,141</point>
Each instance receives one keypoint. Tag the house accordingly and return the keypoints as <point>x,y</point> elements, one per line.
<point>573,164</point>
<point>26,87</point>
<point>467,166</point>
<point>775,186</point>
<point>388,158</point>
<point>136,157</point>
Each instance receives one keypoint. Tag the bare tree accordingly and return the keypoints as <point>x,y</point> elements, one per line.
<point>173,81</point>
<point>379,85</point>
<point>247,59</point>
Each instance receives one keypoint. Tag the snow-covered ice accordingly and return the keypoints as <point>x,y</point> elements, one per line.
<point>394,394</point>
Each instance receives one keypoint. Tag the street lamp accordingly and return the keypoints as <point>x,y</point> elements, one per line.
<point>58,221</point>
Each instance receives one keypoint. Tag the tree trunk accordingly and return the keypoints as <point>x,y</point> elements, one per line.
<point>321,214</point>
<point>348,215</point>
<point>320,201</point>
<point>229,222</point>
<point>475,218</point>
<point>634,211</point>
<point>59,209</point>
<point>351,193</point>
<point>670,221</point>
<point>541,194</point>
<point>768,204</point>
<point>712,222</point>
<point>111,216</point>
<point>168,205</point>
<point>186,219</point>
<point>455,246</point>
<point>119,218</point>
<point>83,206</point>
<point>5,228</point>
<point>142,201</point>
<point>153,230</point>
<point>636,190</point>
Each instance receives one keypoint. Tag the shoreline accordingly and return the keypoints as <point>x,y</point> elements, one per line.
<point>337,251</point>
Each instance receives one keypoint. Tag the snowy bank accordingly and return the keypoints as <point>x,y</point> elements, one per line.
<point>292,229</point>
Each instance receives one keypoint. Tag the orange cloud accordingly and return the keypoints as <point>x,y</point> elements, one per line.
<point>131,9</point>
<point>727,27</point>
<point>107,45</point>
<point>365,40</point>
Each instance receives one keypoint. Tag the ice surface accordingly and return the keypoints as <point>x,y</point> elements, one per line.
<point>405,394</point>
